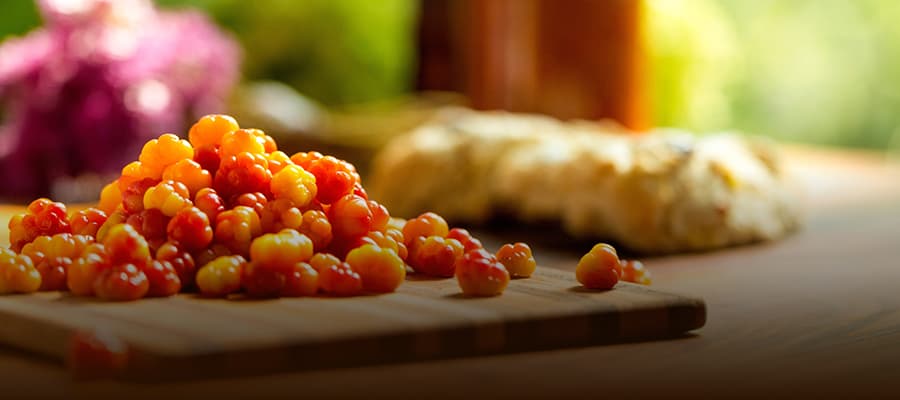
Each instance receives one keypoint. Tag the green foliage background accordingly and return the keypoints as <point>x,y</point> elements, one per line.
<point>822,71</point>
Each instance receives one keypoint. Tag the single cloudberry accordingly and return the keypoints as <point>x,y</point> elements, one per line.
<point>425,225</point>
<point>281,250</point>
<point>599,268</point>
<point>208,201</point>
<point>236,228</point>
<point>479,273</point>
<point>517,259</point>
<point>437,256</point>
<point>208,131</point>
<point>17,273</point>
<point>334,178</point>
<point>340,280</point>
<point>277,161</point>
<point>85,269</point>
<point>191,229</point>
<point>123,282</point>
<point>43,217</point>
<point>301,279</point>
<point>257,201</point>
<point>208,157</point>
<point>635,272</point>
<point>221,277</point>
<point>164,151</point>
<point>242,140</point>
<point>162,278</point>
<point>295,184</point>
<point>181,260</point>
<point>124,244</point>
<point>316,226</point>
<point>133,195</point>
<point>261,281</point>
<point>110,197</point>
<point>350,217</point>
<point>279,214</point>
<point>87,221</point>
<point>151,224</point>
<point>381,270</point>
<point>242,173</point>
<point>170,197</point>
<point>190,173</point>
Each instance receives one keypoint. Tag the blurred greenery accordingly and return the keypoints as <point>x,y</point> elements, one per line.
<point>335,51</point>
<point>823,71</point>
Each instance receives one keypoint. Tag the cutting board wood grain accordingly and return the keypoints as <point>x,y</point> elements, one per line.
<point>188,335</point>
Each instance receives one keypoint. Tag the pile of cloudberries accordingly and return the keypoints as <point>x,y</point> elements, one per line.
<point>226,212</point>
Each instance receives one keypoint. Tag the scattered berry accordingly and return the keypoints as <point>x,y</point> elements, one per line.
<point>599,268</point>
<point>479,273</point>
<point>517,259</point>
<point>463,236</point>
<point>634,271</point>
<point>123,282</point>
<point>437,256</point>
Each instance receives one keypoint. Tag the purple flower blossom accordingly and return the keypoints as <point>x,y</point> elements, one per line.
<point>83,93</point>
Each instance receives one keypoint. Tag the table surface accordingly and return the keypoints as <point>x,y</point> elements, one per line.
<point>817,313</point>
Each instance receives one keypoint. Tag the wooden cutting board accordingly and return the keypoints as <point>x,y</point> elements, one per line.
<point>188,336</point>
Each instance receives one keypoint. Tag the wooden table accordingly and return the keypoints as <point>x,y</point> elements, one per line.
<point>815,314</point>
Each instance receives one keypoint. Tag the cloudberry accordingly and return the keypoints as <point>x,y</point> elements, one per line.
<point>42,218</point>
<point>437,256</point>
<point>236,228</point>
<point>190,228</point>
<point>599,268</point>
<point>208,201</point>
<point>425,225</point>
<point>334,178</point>
<point>124,282</point>
<point>294,184</point>
<point>517,259</point>
<point>635,272</point>
<point>170,197</point>
<point>164,151</point>
<point>340,280</point>
<point>181,260</point>
<point>189,173</point>
<point>17,273</point>
<point>221,277</point>
<point>350,217</point>
<point>162,278</point>
<point>479,273</point>
<point>87,221</point>
<point>281,250</point>
<point>110,197</point>
<point>381,270</point>
<point>242,173</point>
<point>210,129</point>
